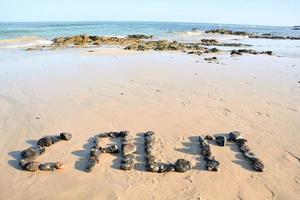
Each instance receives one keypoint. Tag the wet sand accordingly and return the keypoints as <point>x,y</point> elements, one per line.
<point>178,96</point>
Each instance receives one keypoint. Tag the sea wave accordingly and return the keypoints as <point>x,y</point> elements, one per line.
<point>25,41</point>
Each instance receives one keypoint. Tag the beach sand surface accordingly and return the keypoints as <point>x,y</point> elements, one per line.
<point>178,96</point>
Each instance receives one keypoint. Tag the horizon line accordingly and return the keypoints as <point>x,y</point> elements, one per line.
<point>217,23</point>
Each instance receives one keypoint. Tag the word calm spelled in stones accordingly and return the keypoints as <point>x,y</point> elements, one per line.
<point>128,149</point>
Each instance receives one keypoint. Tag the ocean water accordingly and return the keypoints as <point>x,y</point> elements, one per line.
<point>22,35</point>
<point>49,30</point>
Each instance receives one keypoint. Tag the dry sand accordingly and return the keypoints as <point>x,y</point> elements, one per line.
<point>176,95</point>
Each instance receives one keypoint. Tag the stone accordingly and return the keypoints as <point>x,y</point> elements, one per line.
<point>118,134</point>
<point>33,152</point>
<point>257,164</point>
<point>206,151</point>
<point>245,148</point>
<point>92,163</point>
<point>234,135</point>
<point>32,166</point>
<point>152,167</point>
<point>164,168</point>
<point>212,165</point>
<point>127,165</point>
<point>209,137</point>
<point>139,36</point>
<point>250,155</point>
<point>241,141</point>
<point>127,158</point>
<point>183,165</point>
<point>66,136</point>
<point>111,149</point>
<point>95,152</point>
<point>148,149</point>
<point>221,140</point>
<point>50,166</point>
<point>45,142</point>
<point>129,149</point>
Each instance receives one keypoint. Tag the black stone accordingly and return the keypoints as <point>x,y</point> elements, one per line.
<point>65,136</point>
<point>182,165</point>
<point>45,142</point>
<point>221,140</point>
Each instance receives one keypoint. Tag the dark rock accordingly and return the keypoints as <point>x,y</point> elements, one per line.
<point>257,164</point>
<point>65,136</point>
<point>182,165</point>
<point>111,149</point>
<point>91,164</point>
<point>245,148</point>
<point>152,167</point>
<point>212,165</point>
<point>234,135</point>
<point>241,141</point>
<point>206,151</point>
<point>138,36</point>
<point>33,152</point>
<point>227,32</point>
<point>32,166</point>
<point>50,166</point>
<point>209,137</point>
<point>164,168</point>
<point>221,140</point>
<point>45,142</point>
<point>127,165</point>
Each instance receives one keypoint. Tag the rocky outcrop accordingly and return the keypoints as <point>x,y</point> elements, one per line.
<point>250,51</point>
<point>252,35</point>
<point>227,32</point>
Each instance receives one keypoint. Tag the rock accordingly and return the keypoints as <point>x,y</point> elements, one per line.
<point>182,165</point>
<point>127,164</point>
<point>227,32</point>
<point>211,59</point>
<point>50,166</point>
<point>118,134</point>
<point>257,164</point>
<point>65,136</point>
<point>33,152</point>
<point>32,166</point>
<point>221,140</point>
<point>139,36</point>
<point>97,142</point>
<point>92,163</point>
<point>112,149</point>
<point>233,136</point>
<point>209,42</point>
<point>45,142</point>
<point>129,149</point>
<point>148,149</point>
<point>164,168</point>
<point>212,165</point>
<point>245,148</point>
<point>128,158</point>
<point>95,152</point>
<point>206,151</point>
<point>152,167</point>
<point>241,141</point>
<point>209,137</point>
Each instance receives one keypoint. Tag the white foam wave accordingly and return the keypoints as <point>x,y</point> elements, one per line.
<point>22,42</point>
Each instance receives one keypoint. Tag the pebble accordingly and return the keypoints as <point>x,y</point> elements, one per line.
<point>221,140</point>
<point>234,135</point>
<point>212,165</point>
<point>65,136</point>
<point>32,166</point>
<point>183,165</point>
<point>33,152</point>
<point>112,149</point>
<point>45,142</point>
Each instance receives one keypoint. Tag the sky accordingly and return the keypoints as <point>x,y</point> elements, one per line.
<point>252,12</point>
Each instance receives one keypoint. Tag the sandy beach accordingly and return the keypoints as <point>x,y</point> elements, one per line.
<point>176,95</point>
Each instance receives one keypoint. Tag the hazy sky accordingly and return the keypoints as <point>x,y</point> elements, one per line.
<point>258,12</point>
